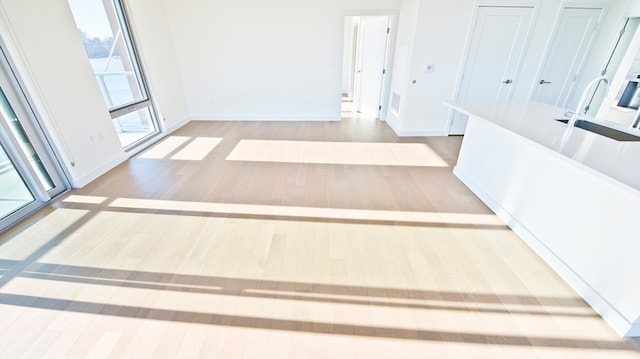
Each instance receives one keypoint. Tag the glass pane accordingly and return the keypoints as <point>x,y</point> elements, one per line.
<point>134,126</point>
<point>10,118</point>
<point>14,193</point>
<point>108,49</point>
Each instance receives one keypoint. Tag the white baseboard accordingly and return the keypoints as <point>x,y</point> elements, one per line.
<point>422,133</point>
<point>392,123</point>
<point>267,119</point>
<point>414,133</point>
<point>176,126</point>
<point>99,171</point>
<point>106,167</point>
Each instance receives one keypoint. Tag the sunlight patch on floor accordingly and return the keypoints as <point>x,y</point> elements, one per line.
<point>247,280</point>
<point>183,148</point>
<point>169,302</point>
<point>48,230</point>
<point>197,149</point>
<point>74,198</point>
<point>365,153</point>
<point>164,148</point>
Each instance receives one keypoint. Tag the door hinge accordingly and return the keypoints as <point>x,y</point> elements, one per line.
<point>379,107</point>
<point>384,71</point>
<point>388,30</point>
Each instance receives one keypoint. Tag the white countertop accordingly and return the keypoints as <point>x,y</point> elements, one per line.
<point>617,160</point>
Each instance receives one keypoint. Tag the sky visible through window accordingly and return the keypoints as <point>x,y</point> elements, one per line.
<point>91,18</point>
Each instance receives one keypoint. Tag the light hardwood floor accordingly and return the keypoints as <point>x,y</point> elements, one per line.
<point>264,240</point>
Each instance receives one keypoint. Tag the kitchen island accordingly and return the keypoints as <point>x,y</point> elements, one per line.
<point>576,202</point>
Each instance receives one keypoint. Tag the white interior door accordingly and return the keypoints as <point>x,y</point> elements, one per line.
<point>493,60</point>
<point>371,59</point>
<point>569,48</point>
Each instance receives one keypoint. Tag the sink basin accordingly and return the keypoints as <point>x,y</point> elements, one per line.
<point>603,130</point>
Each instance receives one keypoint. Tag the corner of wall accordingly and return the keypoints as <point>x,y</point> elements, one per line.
<point>81,181</point>
<point>176,125</point>
<point>392,121</point>
<point>402,59</point>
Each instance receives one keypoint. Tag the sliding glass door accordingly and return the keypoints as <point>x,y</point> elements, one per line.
<point>110,47</point>
<point>15,193</point>
<point>29,173</point>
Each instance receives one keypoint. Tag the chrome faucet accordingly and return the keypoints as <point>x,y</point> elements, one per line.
<point>583,99</point>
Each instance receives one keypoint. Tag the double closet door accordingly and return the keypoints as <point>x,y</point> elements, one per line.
<point>497,48</point>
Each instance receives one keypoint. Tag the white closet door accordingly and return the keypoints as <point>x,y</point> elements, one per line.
<point>568,51</point>
<point>497,45</point>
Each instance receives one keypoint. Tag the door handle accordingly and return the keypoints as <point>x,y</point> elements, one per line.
<point>507,82</point>
<point>542,82</point>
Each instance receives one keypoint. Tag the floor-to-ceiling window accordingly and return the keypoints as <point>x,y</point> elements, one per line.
<point>29,173</point>
<point>110,47</point>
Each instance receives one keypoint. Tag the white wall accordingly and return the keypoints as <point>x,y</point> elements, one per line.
<point>406,31</point>
<point>441,37</point>
<point>440,40</point>
<point>633,10</point>
<point>256,59</point>
<point>158,56</point>
<point>43,41</point>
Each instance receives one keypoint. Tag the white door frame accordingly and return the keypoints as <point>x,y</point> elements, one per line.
<point>388,61</point>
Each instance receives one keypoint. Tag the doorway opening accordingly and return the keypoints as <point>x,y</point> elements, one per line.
<point>366,41</point>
